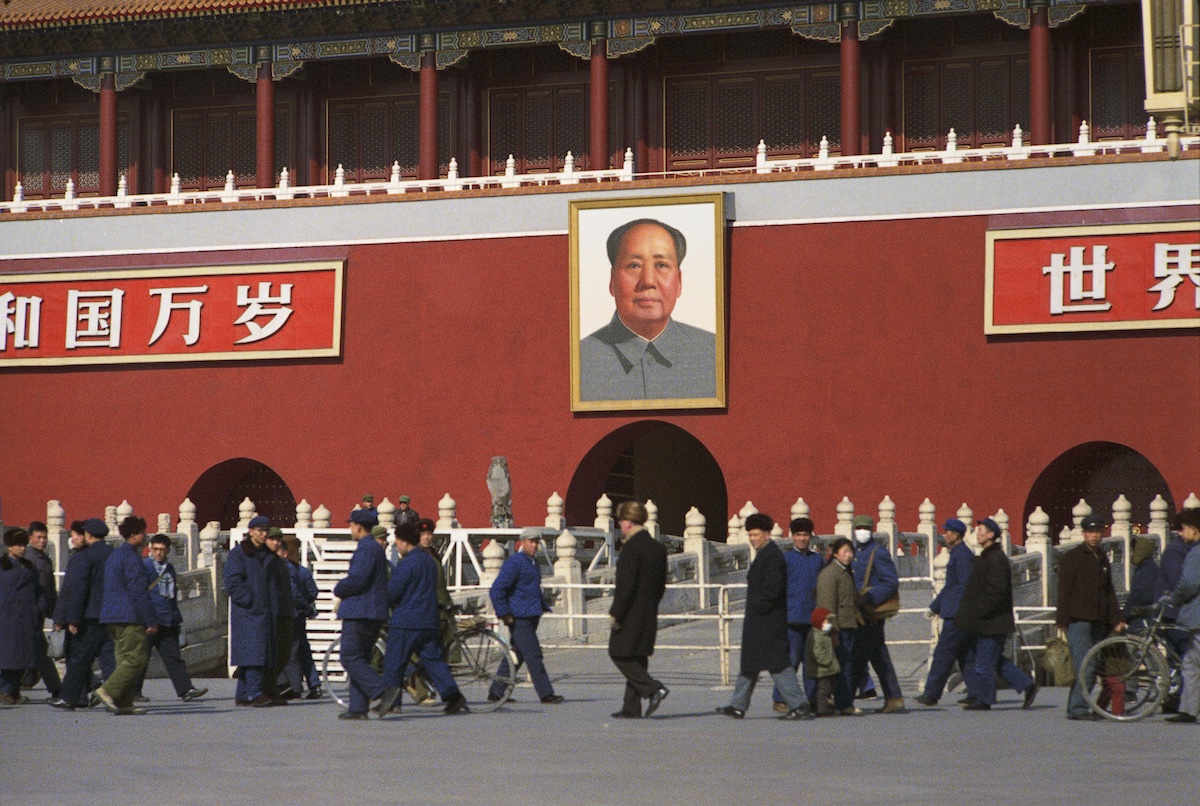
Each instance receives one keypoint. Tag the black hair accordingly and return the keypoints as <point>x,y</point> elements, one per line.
<point>77,527</point>
<point>407,532</point>
<point>801,525</point>
<point>836,546</point>
<point>37,526</point>
<point>617,235</point>
<point>160,540</point>
<point>1189,517</point>
<point>131,526</point>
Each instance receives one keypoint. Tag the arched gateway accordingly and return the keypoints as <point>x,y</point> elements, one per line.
<point>223,486</point>
<point>655,460</point>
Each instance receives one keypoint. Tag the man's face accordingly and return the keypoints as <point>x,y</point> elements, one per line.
<point>426,539</point>
<point>645,281</point>
<point>403,505</point>
<point>273,544</point>
<point>158,552</point>
<point>530,547</point>
<point>17,551</point>
<point>1092,537</point>
<point>1189,533</point>
<point>758,538</point>
<point>984,536</point>
<point>801,540</point>
<point>952,537</point>
<point>38,540</point>
<point>258,535</point>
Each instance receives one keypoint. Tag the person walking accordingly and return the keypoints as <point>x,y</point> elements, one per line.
<point>363,611</point>
<point>836,594</point>
<point>1186,597</point>
<point>78,613</point>
<point>765,627</point>
<point>252,613</point>
<point>952,642</point>
<point>300,668</point>
<point>128,614</point>
<point>35,552</point>
<point>820,661</point>
<point>640,584</point>
<point>517,601</point>
<point>164,594</point>
<point>803,566</point>
<point>877,581</point>
<point>20,615</point>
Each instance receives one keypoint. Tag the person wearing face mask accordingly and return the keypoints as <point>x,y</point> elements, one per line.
<point>835,594</point>
<point>820,661</point>
<point>877,581</point>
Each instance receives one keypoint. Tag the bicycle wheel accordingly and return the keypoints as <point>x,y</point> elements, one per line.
<point>333,676</point>
<point>1124,679</point>
<point>478,657</point>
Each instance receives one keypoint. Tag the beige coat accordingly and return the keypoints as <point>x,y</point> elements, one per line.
<point>835,593</point>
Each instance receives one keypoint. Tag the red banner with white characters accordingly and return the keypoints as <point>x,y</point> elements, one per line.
<point>1110,277</point>
<point>208,313</point>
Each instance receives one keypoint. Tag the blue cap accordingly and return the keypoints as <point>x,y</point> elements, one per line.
<point>364,517</point>
<point>955,525</point>
<point>991,526</point>
<point>95,527</point>
<point>259,522</point>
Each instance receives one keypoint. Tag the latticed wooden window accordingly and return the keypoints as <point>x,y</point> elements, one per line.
<point>53,150</point>
<point>1118,90</point>
<point>538,126</point>
<point>208,143</point>
<point>367,135</point>
<point>982,99</point>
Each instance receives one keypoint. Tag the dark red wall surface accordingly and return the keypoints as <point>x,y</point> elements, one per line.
<point>857,367</point>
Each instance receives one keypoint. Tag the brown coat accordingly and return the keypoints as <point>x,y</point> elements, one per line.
<point>835,593</point>
<point>1085,589</point>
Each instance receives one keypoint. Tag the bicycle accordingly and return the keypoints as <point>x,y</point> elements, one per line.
<point>1127,677</point>
<point>474,654</point>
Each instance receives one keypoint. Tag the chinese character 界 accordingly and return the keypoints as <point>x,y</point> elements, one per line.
<point>1074,297</point>
<point>256,307</point>
<point>94,318</point>
<point>22,317</point>
<point>1173,262</point>
<point>168,304</point>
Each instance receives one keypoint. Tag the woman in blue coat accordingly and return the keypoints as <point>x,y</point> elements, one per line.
<point>20,615</point>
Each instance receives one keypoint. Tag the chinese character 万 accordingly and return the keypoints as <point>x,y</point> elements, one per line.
<point>168,304</point>
<point>256,307</point>
<point>1074,298</point>
<point>94,318</point>
<point>1173,262</point>
<point>22,317</point>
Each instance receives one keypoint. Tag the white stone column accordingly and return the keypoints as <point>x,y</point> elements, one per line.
<point>887,522</point>
<point>110,520</point>
<point>1037,540</point>
<point>322,517</point>
<point>386,512</point>
<point>245,513</point>
<point>208,544</point>
<point>569,569</point>
<point>304,514</point>
<point>604,510</point>
<point>493,557</point>
<point>735,534</point>
<point>927,526</point>
<point>652,518</point>
<point>845,519</point>
<point>554,512</point>
<point>57,540</point>
<point>967,516</point>
<point>801,509</point>
<point>1158,521</point>
<point>1078,513</point>
<point>447,511</point>
<point>124,510</point>
<point>694,542</point>
<point>1001,519</point>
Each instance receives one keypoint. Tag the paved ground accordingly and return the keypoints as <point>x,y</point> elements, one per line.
<point>210,752</point>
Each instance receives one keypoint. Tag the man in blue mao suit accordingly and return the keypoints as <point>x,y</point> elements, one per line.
<point>517,599</point>
<point>78,612</point>
<point>870,645</point>
<point>129,616</point>
<point>952,642</point>
<point>803,566</point>
<point>363,611</point>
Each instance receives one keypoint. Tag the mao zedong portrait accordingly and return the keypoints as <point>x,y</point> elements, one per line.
<point>642,353</point>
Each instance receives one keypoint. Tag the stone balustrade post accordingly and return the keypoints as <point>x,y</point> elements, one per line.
<point>494,556</point>
<point>845,519</point>
<point>735,534</point>
<point>304,514</point>
<point>570,570</point>
<point>245,513</point>
<point>967,516</point>
<point>322,517</point>
<point>124,510</point>
<point>604,510</point>
<point>695,542</point>
<point>927,525</point>
<point>1078,513</point>
<point>209,536</point>
<point>447,514</point>
<point>164,523</point>
<point>776,531</point>
<point>110,520</point>
<point>1037,539</point>
<point>386,512</point>
<point>801,509</point>
<point>554,512</point>
<point>652,518</point>
<point>190,530</point>
<point>1122,514</point>
<point>57,540</point>
<point>1001,519</point>
<point>1158,521</point>
<point>887,522</point>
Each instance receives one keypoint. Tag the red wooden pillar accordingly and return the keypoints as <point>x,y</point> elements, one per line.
<point>851,81</point>
<point>108,128</point>
<point>264,147</point>
<point>427,145</point>
<point>474,166</point>
<point>1039,73</point>
<point>598,149</point>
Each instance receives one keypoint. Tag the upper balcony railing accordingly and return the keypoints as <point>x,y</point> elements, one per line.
<point>951,155</point>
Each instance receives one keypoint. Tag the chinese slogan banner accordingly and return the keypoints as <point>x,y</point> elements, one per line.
<point>1112,277</point>
<point>213,313</point>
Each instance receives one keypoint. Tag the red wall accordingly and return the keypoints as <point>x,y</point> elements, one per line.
<point>857,367</point>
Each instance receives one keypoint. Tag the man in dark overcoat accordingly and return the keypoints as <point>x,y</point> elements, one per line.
<point>20,615</point>
<point>765,627</point>
<point>641,582</point>
<point>36,554</point>
<point>249,574</point>
<point>78,612</point>
<point>985,614</point>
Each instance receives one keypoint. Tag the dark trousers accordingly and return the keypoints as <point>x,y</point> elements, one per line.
<point>358,646</point>
<point>10,682</point>
<point>951,648</point>
<point>83,648</point>
<point>300,667</point>
<point>797,640</point>
<point>529,652</point>
<point>283,653</point>
<point>166,641</point>
<point>870,646</point>
<point>985,658</point>
<point>639,685</point>
<point>46,668</point>
<point>427,644</point>
<point>843,684</point>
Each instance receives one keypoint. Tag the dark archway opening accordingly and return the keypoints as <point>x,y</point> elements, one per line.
<point>652,460</point>
<point>221,488</point>
<point>1099,473</point>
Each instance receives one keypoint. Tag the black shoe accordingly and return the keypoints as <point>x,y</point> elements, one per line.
<point>549,699</point>
<point>1181,718</point>
<point>193,693</point>
<point>1030,694</point>
<point>261,701</point>
<point>729,710</point>
<point>802,712</point>
<point>386,700</point>
<point>352,715</point>
<point>456,704</point>
<point>56,702</point>
<point>977,706</point>
<point>623,715</point>
<point>925,699</point>
<point>1086,717</point>
<point>868,695</point>
<point>314,694</point>
<point>494,697</point>
<point>967,700</point>
<point>140,697</point>
<point>656,700</point>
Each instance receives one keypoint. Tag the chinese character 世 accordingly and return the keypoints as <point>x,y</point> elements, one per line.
<point>255,308</point>
<point>1074,298</point>
<point>1173,262</point>
<point>22,317</point>
<point>94,318</point>
<point>168,304</point>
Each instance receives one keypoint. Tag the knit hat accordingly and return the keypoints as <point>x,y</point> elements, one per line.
<point>1143,549</point>
<point>818,616</point>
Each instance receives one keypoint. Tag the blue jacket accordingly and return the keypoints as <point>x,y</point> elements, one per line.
<point>1170,567</point>
<point>127,589</point>
<point>517,590</point>
<point>412,592</point>
<point>20,614</point>
<point>165,607</point>
<point>884,580</point>
<point>802,570</point>
<point>958,571</point>
<point>254,604</point>
<point>304,590</point>
<point>1186,595</point>
<point>1141,587</point>
<point>83,586</point>
<point>363,590</point>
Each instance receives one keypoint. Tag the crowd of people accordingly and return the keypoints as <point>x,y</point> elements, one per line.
<point>813,623</point>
